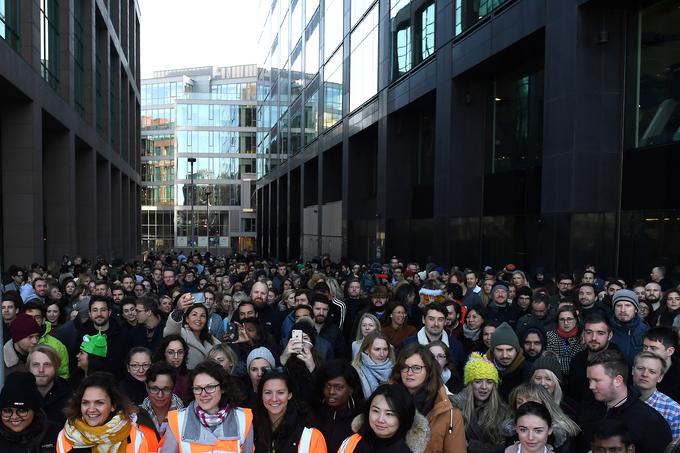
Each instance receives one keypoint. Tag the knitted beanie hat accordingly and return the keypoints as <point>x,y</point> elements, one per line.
<point>548,361</point>
<point>20,391</point>
<point>479,367</point>
<point>627,296</point>
<point>504,335</point>
<point>23,326</point>
<point>260,353</point>
<point>95,345</point>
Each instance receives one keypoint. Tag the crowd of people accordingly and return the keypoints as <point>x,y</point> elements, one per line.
<point>197,353</point>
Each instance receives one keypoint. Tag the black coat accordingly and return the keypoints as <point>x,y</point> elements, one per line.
<point>670,384</point>
<point>577,384</point>
<point>336,426</point>
<point>39,437</point>
<point>649,430</point>
<point>56,400</point>
<point>286,438</point>
<point>134,389</point>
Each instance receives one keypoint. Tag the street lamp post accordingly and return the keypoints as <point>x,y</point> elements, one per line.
<point>207,219</point>
<point>192,160</point>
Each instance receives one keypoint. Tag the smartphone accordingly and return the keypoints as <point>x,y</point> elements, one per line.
<point>199,298</point>
<point>231,334</point>
<point>297,336</point>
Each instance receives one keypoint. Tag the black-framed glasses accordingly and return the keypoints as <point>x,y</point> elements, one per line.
<point>8,412</point>
<point>209,389</point>
<point>160,391</point>
<point>415,369</point>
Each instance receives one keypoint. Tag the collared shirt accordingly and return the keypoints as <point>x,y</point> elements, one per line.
<point>161,425</point>
<point>669,409</point>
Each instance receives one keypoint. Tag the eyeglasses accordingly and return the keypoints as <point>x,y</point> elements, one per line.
<point>139,366</point>
<point>8,412</point>
<point>172,353</point>
<point>415,369</point>
<point>209,389</point>
<point>160,391</point>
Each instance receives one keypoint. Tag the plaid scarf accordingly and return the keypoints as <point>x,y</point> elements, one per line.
<point>110,437</point>
<point>211,420</point>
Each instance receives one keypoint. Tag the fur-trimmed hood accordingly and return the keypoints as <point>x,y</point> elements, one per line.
<point>417,437</point>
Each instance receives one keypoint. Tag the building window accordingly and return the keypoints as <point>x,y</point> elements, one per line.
<point>158,195</point>
<point>9,23</point>
<point>99,94</point>
<point>312,49</point>
<point>248,225</point>
<point>332,98</point>
<point>49,41</point>
<point>413,38</point>
<point>220,194</point>
<point>655,102</point>
<point>357,9</point>
<point>363,76</point>
<point>311,117</point>
<point>517,142</point>
<point>209,168</point>
<point>78,58</point>
<point>469,12</point>
<point>333,26</point>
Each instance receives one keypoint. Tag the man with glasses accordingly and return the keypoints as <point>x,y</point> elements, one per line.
<point>150,325</point>
<point>565,285</point>
<point>36,310</point>
<point>160,381</point>
<point>16,275</point>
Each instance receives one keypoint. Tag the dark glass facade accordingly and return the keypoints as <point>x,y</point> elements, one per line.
<point>472,132</point>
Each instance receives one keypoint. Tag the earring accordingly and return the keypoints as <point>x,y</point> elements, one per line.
<point>351,402</point>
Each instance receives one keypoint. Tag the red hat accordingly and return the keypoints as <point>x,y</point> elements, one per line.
<point>23,326</point>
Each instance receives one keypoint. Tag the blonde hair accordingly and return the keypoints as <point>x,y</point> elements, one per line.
<point>372,317</point>
<point>368,342</point>
<point>535,392</point>
<point>490,416</point>
<point>557,395</point>
<point>227,351</point>
<point>50,352</point>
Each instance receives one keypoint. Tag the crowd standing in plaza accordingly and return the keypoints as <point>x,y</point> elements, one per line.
<point>196,353</point>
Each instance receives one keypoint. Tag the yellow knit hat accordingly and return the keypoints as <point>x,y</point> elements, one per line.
<point>479,367</point>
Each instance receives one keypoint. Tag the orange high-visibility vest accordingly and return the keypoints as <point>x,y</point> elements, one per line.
<point>137,442</point>
<point>349,444</point>
<point>177,420</point>
<point>312,441</point>
<point>151,439</point>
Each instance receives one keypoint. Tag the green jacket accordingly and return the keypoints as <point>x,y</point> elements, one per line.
<point>58,346</point>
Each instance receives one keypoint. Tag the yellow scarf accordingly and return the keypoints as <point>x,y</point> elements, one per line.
<point>108,438</point>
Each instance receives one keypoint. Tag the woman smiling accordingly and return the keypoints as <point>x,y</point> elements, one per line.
<point>98,418</point>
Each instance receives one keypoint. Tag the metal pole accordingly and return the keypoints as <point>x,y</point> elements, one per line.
<point>193,201</point>
<point>207,220</point>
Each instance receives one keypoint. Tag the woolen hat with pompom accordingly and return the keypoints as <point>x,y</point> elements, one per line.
<point>479,367</point>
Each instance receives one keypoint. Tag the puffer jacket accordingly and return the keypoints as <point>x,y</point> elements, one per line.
<point>415,440</point>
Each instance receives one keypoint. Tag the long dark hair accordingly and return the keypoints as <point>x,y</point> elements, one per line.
<point>262,423</point>
<point>163,345</point>
<point>401,403</point>
<point>204,334</point>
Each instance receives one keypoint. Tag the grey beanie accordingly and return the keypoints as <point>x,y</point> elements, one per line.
<point>260,353</point>
<point>626,295</point>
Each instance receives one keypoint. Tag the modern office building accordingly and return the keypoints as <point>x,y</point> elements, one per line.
<point>206,115</point>
<point>69,130</point>
<point>538,132</point>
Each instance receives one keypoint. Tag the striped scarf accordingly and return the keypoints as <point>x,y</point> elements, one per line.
<point>211,420</point>
<point>108,438</point>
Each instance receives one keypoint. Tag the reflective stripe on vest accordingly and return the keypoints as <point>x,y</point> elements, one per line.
<point>138,438</point>
<point>349,444</point>
<point>64,446</point>
<point>181,417</point>
<point>60,443</point>
<point>305,440</point>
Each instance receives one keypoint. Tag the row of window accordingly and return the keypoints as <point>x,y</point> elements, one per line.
<point>220,195</point>
<point>155,119</point>
<point>245,91</point>
<point>215,115</point>
<point>162,93</point>
<point>215,142</point>
<point>160,224</point>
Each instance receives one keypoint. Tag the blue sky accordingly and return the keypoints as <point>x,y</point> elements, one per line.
<point>178,33</point>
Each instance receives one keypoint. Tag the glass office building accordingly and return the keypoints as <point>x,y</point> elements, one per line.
<point>69,130</point>
<point>198,159</point>
<point>471,132</point>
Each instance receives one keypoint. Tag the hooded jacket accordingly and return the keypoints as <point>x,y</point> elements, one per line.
<point>415,440</point>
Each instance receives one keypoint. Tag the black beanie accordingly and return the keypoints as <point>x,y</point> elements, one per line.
<point>20,391</point>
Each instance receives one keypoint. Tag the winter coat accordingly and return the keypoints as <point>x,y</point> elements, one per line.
<point>628,337</point>
<point>336,425</point>
<point>446,426</point>
<point>58,346</point>
<point>198,350</point>
<point>13,362</point>
<point>56,400</point>
<point>415,440</point>
<point>564,349</point>
<point>134,389</point>
<point>577,384</point>
<point>647,427</point>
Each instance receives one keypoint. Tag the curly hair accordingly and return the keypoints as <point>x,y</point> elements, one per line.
<point>106,382</point>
